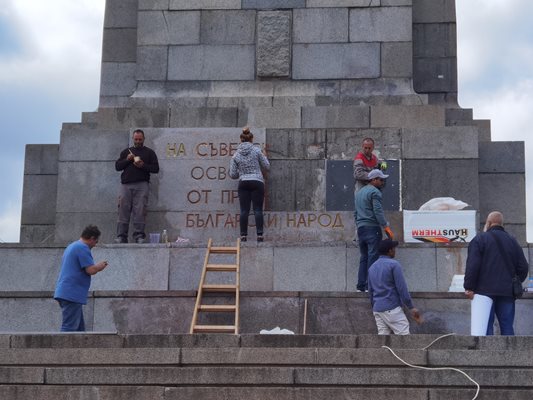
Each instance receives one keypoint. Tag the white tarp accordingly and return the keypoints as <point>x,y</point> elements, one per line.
<point>439,226</point>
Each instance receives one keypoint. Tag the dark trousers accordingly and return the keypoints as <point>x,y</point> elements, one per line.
<point>132,201</point>
<point>251,192</point>
<point>503,308</point>
<point>369,238</point>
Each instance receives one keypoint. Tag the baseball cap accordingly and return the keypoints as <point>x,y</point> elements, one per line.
<point>385,245</point>
<point>376,173</point>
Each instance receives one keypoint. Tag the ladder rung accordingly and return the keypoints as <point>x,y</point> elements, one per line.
<point>219,288</point>
<point>215,328</point>
<point>217,307</point>
<point>224,250</point>
<point>222,267</point>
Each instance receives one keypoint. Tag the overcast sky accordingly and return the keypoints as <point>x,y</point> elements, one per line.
<point>50,65</point>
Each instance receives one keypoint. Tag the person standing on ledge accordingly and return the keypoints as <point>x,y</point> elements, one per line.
<point>388,292</point>
<point>247,164</point>
<point>369,218</point>
<point>364,162</point>
<point>494,258</point>
<point>72,287</point>
<point>136,164</point>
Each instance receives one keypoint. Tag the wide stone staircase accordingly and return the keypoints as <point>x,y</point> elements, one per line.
<point>219,366</point>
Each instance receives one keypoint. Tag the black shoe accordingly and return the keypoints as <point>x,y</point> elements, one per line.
<point>243,238</point>
<point>120,239</point>
<point>260,238</point>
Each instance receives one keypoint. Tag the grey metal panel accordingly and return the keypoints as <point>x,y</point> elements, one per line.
<point>340,184</point>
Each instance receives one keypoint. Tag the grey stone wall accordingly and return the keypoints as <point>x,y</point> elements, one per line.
<point>39,194</point>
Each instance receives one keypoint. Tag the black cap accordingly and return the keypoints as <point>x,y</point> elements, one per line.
<point>385,245</point>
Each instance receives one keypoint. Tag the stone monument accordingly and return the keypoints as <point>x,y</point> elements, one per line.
<point>312,78</point>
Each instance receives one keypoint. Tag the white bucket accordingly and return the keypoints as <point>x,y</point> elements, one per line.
<point>479,315</point>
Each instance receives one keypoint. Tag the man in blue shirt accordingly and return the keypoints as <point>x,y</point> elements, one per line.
<point>74,279</point>
<point>369,219</point>
<point>388,292</point>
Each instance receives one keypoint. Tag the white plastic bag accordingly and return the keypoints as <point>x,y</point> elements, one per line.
<point>443,204</point>
<point>276,331</point>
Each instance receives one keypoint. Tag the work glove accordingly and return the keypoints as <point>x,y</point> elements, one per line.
<point>389,233</point>
<point>382,165</point>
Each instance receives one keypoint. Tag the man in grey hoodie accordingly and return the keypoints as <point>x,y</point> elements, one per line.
<point>247,164</point>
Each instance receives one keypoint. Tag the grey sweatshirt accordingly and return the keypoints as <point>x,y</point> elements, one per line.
<point>247,162</point>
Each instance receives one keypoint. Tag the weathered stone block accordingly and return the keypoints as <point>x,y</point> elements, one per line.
<point>41,159</point>
<point>376,87</point>
<point>30,268</point>
<point>39,199</point>
<point>407,116</point>
<point>450,261</point>
<point>119,45</point>
<point>205,5</point>
<point>501,157</point>
<point>124,118</point>
<point>428,11</point>
<point>354,60</point>
<point>258,275</point>
<point>434,40</point>
<point>397,60</point>
<point>342,3</point>
<point>69,225</point>
<point>459,117</point>
<point>296,144</point>
<point>483,128</point>
<point>153,4</point>
<point>440,143</point>
<point>120,14</point>
<point>385,3</point>
<point>152,63</point>
<point>384,24</point>
<point>306,178</point>
<point>88,144</point>
<point>320,25</point>
<point>239,102</point>
<point>37,233</point>
<point>273,43</point>
<point>439,179</point>
<point>273,117</point>
<point>117,79</point>
<point>336,117</point>
<point>491,198</point>
<point>129,314</point>
<point>232,62</point>
<point>40,314</point>
<point>435,74</point>
<point>272,4</point>
<point>227,27</point>
<point>84,186</point>
<point>322,269</point>
<point>141,270</point>
<point>344,144</point>
<point>168,27</point>
<point>202,117</point>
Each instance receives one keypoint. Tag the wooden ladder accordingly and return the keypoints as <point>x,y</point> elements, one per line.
<point>231,288</point>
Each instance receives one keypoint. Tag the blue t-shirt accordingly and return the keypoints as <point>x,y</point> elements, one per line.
<point>73,282</point>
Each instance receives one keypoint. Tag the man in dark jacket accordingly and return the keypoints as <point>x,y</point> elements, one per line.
<point>492,255</point>
<point>136,164</point>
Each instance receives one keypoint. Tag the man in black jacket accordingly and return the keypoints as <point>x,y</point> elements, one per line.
<point>493,257</point>
<point>136,164</point>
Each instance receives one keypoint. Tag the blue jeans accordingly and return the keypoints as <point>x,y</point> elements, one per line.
<point>369,238</point>
<point>72,316</point>
<point>503,307</point>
